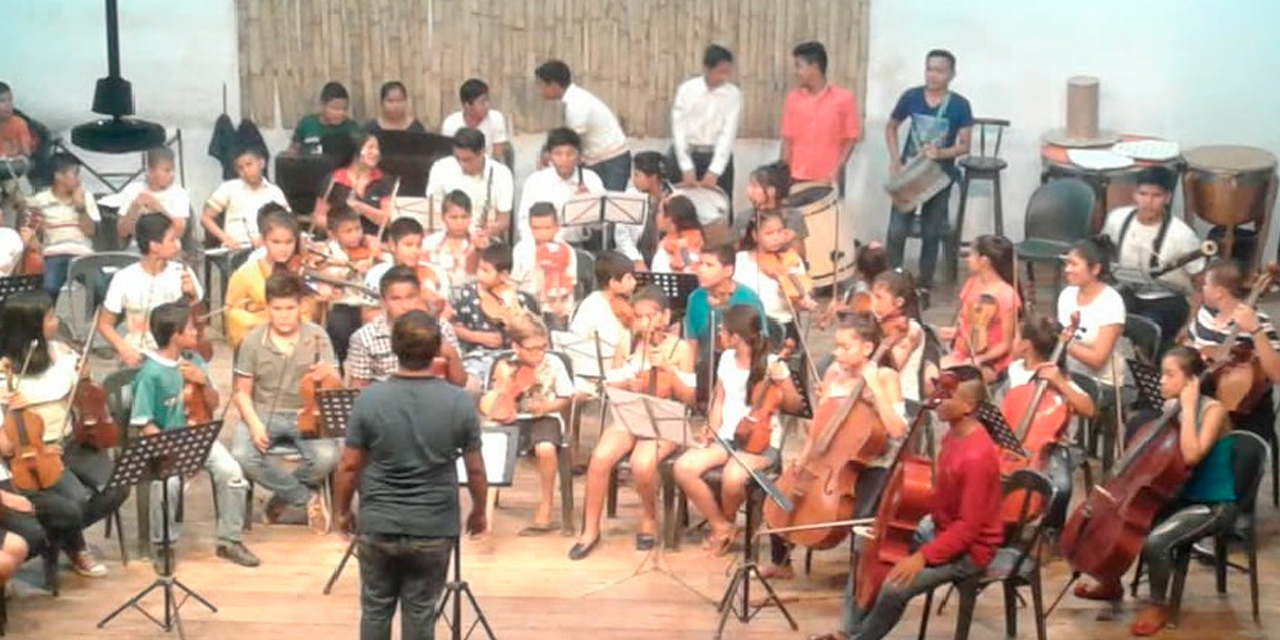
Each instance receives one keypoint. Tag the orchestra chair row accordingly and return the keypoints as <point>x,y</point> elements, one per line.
<point>1249,455</point>
<point>1014,567</point>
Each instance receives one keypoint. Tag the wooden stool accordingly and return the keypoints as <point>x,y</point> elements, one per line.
<point>980,166</point>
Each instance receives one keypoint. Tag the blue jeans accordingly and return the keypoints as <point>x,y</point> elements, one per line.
<point>405,570</point>
<point>935,227</point>
<point>56,269</point>
<point>230,490</point>
<point>615,172</point>
<point>319,457</point>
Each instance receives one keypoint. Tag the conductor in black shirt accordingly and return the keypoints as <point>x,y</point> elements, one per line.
<point>403,442</point>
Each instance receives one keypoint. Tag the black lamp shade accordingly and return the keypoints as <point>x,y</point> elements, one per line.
<point>113,96</point>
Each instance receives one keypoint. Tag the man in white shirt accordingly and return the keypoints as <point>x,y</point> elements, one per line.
<point>704,124</point>
<point>158,193</point>
<point>604,145</point>
<point>240,200</point>
<point>1150,238</point>
<point>558,182</point>
<point>488,183</point>
<point>476,113</point>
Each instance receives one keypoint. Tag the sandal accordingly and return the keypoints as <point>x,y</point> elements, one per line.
<point>1099,591</point>
<point>717,544</point>
<point>1149,621</point>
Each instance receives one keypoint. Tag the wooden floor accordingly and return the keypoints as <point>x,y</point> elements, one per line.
<point>529,589</point>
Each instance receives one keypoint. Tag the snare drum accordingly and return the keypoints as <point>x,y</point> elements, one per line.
<point>829,247</point>
<point>919,180</point>
<point>1228,185</point>
<point>713,212</point>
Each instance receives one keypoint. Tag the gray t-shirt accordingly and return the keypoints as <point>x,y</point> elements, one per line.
<point>277,376</point>
<point>412,431</point>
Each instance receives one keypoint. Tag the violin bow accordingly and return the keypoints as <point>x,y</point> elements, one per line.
<point>82,368</point>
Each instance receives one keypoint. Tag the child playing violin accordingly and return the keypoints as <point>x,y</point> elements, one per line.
<point>246,296</point>
<point>680,249</point>
<point>606,313</point>
<point>546,268</point>
<point>351,254</point>
<point>1032,350</point>
<point>856,339</point>
<point>453,249</point>
<point>767,187</point>
<point>653,361</point>
<point>269,368</point>
<point>483,309</point>
<point>987,321</point>
<point>776,272</point>
<point>1207,502</point>
<point>404,241</point>
<point>959,537</point>
<point>158,406</point>
<point>745,364</point>
<point>532,389</point>
<point>716,292</point>
<point>894,303</point>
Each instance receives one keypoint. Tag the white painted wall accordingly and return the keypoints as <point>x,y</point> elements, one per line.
<point>1194,71</point>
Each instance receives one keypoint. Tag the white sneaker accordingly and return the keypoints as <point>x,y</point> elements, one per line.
<point>86,565</point>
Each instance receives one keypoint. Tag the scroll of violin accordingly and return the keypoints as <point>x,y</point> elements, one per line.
<point>1238,377</point>
<point>34,466</point>
<point>755,429</point>
<point>845,436</point>
<point>1041,419</point>
<point>310,421</point>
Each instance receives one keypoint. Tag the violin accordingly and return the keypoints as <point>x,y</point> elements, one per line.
<point>310,421</point>
<point>657,382</point>
<point>500,307</point>
<point>199,315</point>
<point>91,423</point>
<point>683,247</point>
<point>429,283</point>
<point>786,267</point>
<point>897,331</point>
<point>623,311</point>
<point>905,499</point>
<point>500,403</point>
<point>754,430</point>
<point>553,259</point>
<point>845,436</point>
<point>981,315</point>
<point>1238,380</point>
<point>1041,419</point>
<point>32,261</point>
<point>34,465</point>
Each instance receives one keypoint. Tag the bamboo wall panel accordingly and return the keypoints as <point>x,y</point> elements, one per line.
<point>632,53</point>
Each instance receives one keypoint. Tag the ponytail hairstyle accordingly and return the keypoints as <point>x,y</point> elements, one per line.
<point>776,176</point>
<point>1042,332</point>
<point>999,250</point>
<point>1096,251</point>
<point>743,321</point>
<point>21,322</point>
<point>863,324</point>
<point>901,285</point>
<point>749,241</point>
<point>1189,360</point>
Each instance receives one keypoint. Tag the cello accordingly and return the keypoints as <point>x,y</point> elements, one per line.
<point>34,465</point>
<point>1041,420</point>
<point>846,435</point>
<point>905,499</point>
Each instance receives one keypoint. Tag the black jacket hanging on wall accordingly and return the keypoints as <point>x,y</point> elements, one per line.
<point>227,139</point>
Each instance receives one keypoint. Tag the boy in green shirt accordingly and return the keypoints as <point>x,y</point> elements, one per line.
<point>332,119</point>
<point>158,406</point>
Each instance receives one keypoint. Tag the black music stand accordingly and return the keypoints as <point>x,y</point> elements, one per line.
<point>736,600</point>
<point>993,419</point>
<point>19,284</point>
<point>409,156</point>
<point>602,211</point>
<point>504,441</point>
<point>677,286</point>
<point>1147,379</point>
<point>159,457</point>
<point>335,408</point>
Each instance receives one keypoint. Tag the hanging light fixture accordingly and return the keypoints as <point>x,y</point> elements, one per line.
<point>113,96</point>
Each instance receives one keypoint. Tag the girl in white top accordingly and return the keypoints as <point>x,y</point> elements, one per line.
<point>1101,310</point>
<point>745,364</point>
<point>894,303</point>
<point>767,234</point>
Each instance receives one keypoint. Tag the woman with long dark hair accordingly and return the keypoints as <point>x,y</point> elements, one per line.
<point>360,185</point>
<point>987,323</point>
<point>393,111</point>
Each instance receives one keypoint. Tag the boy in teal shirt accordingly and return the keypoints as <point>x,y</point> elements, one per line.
<point>158,406</point>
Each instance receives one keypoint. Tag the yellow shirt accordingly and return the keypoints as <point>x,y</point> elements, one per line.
<point>246,301</point>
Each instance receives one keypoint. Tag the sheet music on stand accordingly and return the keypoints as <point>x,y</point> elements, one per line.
<point>601,210</point>
<point>19,284</point>
<point>993,419</point>
<point>335,411</point>
<point>677,286</point>
<point>1147,378</point>
<point>499,446</point>
<point>648,417</point>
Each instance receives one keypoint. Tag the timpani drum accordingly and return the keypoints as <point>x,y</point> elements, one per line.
<point>829,247</point>
<point>713,212</point>
<point>1229,185</point>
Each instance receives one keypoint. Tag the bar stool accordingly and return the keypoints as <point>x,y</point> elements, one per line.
<point>980,166</point>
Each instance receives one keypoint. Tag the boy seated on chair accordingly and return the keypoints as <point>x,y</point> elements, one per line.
<point>332,118</point>
<point>239,200</point>
<point>606,312</point>
<point>533,388</point>
<point>158,406</point>
<point>546,268</point>
<point>157,193</point>
<point>483,309</point>
<point>371,359</point>
<point>269,369</point>
<point>69,217</point>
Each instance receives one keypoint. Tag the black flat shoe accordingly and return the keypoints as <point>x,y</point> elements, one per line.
<point>580,551</point>
<point>645,542</point>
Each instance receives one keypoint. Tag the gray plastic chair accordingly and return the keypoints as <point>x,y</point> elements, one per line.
<point>1058,215</point>
<point>85,269</point>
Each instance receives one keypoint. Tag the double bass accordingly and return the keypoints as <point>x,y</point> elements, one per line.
<point>846,435</point>
<point>1041,419</point>
<point>34,465</point>
<point>905,499</point>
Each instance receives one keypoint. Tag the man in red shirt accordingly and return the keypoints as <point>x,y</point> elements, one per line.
<point>820,121</point>
<point>959,537</point>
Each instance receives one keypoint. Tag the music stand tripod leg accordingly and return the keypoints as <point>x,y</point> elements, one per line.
<point>342,564</point>
<point>455,589</point>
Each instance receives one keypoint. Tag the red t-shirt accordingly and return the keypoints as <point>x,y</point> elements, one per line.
<point>966,500</point>
<point>818,126</point>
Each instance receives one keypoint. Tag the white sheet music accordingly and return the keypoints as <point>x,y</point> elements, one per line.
<point>496,450</point>
<point>645,416</point>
